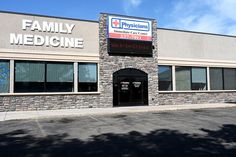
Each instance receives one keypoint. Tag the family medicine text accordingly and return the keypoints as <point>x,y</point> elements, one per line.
<point>50,27</point>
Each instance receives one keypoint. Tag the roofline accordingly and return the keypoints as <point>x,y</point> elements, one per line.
<point>39,15</point>
<point>196,32</point>
<point>66,18</point>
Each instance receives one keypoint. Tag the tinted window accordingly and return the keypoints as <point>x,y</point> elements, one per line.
<point>60,77</point>
<point>29,76</point>
<point>199,79</point>
<point>87,77</point>
<point>216,78</point>
<point>230,79</point>
<point>183,78</point>
<point>165,78</point>
<point>4,76</point>
<point>191,78</point>
<point>43,77</point>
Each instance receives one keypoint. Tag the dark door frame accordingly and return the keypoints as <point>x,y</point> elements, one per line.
<point>130,73</point>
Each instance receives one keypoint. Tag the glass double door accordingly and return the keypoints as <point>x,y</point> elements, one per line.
<point>132,90</point>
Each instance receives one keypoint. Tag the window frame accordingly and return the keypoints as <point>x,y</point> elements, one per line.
<point>190,78</point>
<point>97,81</point>
<point>223,75</point>
<point>9,75</point>
<point>223,79</point>
<point>190,68</point>
<point>191,73</point>
<point>171,77</point>
<point>208,79</point>
<point>44,88</point>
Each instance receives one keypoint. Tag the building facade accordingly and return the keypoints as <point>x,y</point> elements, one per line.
<point>61,63</point>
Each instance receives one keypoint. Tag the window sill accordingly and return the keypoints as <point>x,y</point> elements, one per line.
<point>49,94</point>
<point>198,91</point>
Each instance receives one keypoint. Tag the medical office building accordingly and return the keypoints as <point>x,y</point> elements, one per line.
<point>61,63</point>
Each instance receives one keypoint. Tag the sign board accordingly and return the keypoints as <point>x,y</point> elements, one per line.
<point>129,36</point>
<point>129,28</point>
<point>129,47</point>
<point>136,84</point>
<point>124,85</point>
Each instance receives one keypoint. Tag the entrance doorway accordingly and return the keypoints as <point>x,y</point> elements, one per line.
<point>130,87</point>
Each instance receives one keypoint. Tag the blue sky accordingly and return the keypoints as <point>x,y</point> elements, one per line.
<point>213,16</point>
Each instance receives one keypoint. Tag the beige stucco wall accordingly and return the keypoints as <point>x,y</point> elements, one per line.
<point>195,46</point>
<point>12,23</point>
<point>172,45</point>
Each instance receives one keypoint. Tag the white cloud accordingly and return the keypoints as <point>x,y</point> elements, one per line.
<point>129,5</point>
<point>214,16</point>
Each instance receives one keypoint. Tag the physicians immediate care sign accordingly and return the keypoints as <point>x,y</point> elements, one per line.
<point>129,28</point>
<point>129,37</point>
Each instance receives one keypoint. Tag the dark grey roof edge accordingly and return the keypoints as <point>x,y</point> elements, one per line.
<point>179,30</point>
<point>39,15</point>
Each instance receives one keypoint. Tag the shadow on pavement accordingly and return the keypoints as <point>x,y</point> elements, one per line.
<point>134,144</point>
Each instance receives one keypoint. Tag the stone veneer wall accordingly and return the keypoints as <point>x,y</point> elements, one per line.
<point>196,98</point>
<point>48,102</point>
<point>110,64</point>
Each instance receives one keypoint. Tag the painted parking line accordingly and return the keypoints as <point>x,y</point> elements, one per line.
<point>42,131</point>
<point>92,117</point>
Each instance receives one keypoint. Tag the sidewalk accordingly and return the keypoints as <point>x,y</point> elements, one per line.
<point>104,111</point>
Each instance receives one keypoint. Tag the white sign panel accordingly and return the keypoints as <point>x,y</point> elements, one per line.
<point>129,28</point>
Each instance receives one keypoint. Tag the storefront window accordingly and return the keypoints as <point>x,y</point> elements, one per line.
<point>29,76</point>
<point>190,78</point>
<point>87,77</point>
<point>199,79</point>
<point>165,78</point>
<point>229,79</point>
<point>59,77</point>
<point>183,78</point>
<point>43,77</point>
<point>216,78</point>
<point>4,76</point>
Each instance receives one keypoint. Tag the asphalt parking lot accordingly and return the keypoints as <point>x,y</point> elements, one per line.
<point>184,133</point>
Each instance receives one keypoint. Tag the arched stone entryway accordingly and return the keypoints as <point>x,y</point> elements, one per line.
<point>130,87</point>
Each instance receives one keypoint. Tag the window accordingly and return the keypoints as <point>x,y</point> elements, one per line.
<point>29,76</point>
<point>183,78</point>
<point>216,78</point>
<point>199,79</point>
<point>229,79</point>
<point>87,77</point>
<point>60,77</point>
<point>191,78</point>
<point>223,79</point>
<point>43,77</point>
<point>4,76</point>
<point>165,78</point>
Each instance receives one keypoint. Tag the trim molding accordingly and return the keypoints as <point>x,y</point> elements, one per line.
<point>49,94</point>
<point>196,62</point>
<point>11,55</point>
<point>197,91</point>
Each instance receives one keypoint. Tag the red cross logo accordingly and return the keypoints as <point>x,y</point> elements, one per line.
<point>116,23</point>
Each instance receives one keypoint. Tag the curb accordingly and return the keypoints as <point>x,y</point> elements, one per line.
<point>17,115</point>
